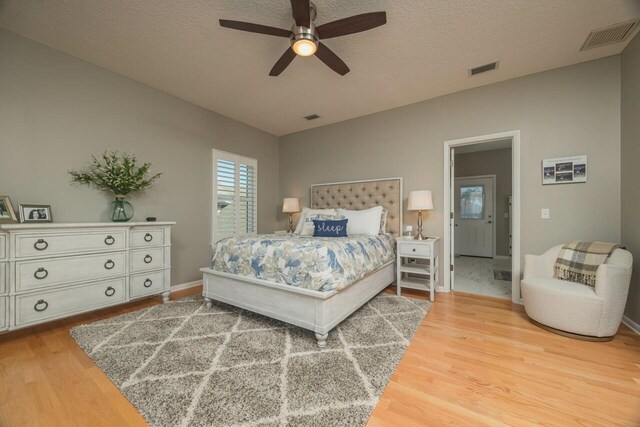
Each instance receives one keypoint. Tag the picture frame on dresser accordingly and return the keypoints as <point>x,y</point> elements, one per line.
<point>35,213</point>
<point>7,214</point>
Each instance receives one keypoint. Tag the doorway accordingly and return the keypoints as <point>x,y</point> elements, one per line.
<point>482,230</point>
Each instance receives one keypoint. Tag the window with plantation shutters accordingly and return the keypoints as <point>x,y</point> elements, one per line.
<point>234,195</point>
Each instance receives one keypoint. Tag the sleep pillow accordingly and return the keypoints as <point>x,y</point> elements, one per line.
<point>366,221</point>
<point>308,227</point>
<point>307,212</point>
<point>330,227</point>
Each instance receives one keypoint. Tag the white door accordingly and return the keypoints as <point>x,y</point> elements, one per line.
<point>474,221</point>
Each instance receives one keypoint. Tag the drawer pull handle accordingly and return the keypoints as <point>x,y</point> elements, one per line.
<point>109,264</point>
<point>148,237</point>
<point>110,292</point>
<point>38,274</point>
<point>38,245</point>
<point>109,240</point>
<point>147,259</point>
<point>38,305</point>
<point>147,283</point>
<point>414,249</point>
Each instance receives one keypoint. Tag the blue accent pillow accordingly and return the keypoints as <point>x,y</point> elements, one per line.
<point>330,228</point>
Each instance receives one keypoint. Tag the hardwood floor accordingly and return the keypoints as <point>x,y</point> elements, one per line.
<point>479,361</point>
<point>474,361</point>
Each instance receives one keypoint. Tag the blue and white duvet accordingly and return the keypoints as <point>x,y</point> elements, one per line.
<point>317,263</point>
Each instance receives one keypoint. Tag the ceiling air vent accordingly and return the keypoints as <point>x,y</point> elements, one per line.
<point>312,117</point>
<point>483,68</point>
<point>609,35</point>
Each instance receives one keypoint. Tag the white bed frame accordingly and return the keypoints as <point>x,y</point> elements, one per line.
<point>314,310</point>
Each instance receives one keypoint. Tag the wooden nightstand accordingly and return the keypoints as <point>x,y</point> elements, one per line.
<point>417,264</point>
<point>281,232</point>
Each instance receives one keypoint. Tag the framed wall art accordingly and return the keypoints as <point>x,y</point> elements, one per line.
<point>564,170</point>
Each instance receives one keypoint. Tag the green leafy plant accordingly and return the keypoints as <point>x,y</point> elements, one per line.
<point>117,173</point>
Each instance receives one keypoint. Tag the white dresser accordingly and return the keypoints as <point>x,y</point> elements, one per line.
<point>50,271</point>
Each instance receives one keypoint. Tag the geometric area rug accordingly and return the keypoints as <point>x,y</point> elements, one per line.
<point>182,364</point>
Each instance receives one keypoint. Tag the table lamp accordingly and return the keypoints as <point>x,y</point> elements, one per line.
<point>290,205</point>
<point>420,201</point>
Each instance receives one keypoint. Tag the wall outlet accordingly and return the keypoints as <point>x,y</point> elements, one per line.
<point>544,213</point>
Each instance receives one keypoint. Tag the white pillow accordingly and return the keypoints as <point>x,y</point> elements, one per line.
<point>366,221</point>
<point>306,212</point>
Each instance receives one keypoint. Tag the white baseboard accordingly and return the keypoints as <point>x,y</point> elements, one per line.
<point>187,285</point>
<point>631,324</point>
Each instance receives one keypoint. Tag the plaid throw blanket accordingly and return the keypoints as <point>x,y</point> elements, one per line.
<point>578,261</point>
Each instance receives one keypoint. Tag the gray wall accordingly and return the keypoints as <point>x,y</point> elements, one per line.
<point>630,162</point>
<point>56,110</point>
<point>492,162</point>
<point>572,110</point>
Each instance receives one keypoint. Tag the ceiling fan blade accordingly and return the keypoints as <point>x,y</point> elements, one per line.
<point>301,12</point>
<point>351,25</point>
<point>332,60</point>
<point>283,62</point>
<point>254,28</point>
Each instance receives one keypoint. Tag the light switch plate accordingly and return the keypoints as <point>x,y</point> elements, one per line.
<point>544,213</point>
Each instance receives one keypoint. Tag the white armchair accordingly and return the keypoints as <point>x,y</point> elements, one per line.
<point>573,309</point>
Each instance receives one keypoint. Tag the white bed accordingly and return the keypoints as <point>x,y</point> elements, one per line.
<point>318,311</point>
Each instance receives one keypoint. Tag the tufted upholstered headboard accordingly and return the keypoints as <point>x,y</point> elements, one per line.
<point>359,195</point>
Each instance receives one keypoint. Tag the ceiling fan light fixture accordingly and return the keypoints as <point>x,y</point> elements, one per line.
<point>304,47</point>
<point>305,38</point>
<point>304,41</point>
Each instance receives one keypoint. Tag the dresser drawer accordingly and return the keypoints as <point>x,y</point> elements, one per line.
<point>146,284</point>
<point>414,249</point>
<point>147,259</point>
<point>147,237</point>
<point>45,244</point>
<point>40,306</point>
<point>3,246</point>
<point>3,278</point>
<point>4,307</point>
<point>35,274</point>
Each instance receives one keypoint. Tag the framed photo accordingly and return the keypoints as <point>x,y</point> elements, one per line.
<point>35,213</point>
<point>564,170</point>
<point>7,214</point>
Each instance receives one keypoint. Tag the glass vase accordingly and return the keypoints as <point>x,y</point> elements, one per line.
<point>121,209</point>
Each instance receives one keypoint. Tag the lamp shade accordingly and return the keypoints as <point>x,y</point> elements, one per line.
<point>290,204</point>
<point>420,200</point>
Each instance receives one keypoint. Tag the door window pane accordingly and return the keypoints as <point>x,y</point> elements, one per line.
<point>471,201</point>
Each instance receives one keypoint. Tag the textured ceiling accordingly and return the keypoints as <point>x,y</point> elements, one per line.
<point>424,51</point>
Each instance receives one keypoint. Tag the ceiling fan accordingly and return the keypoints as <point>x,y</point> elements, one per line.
<point>305,36</point>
